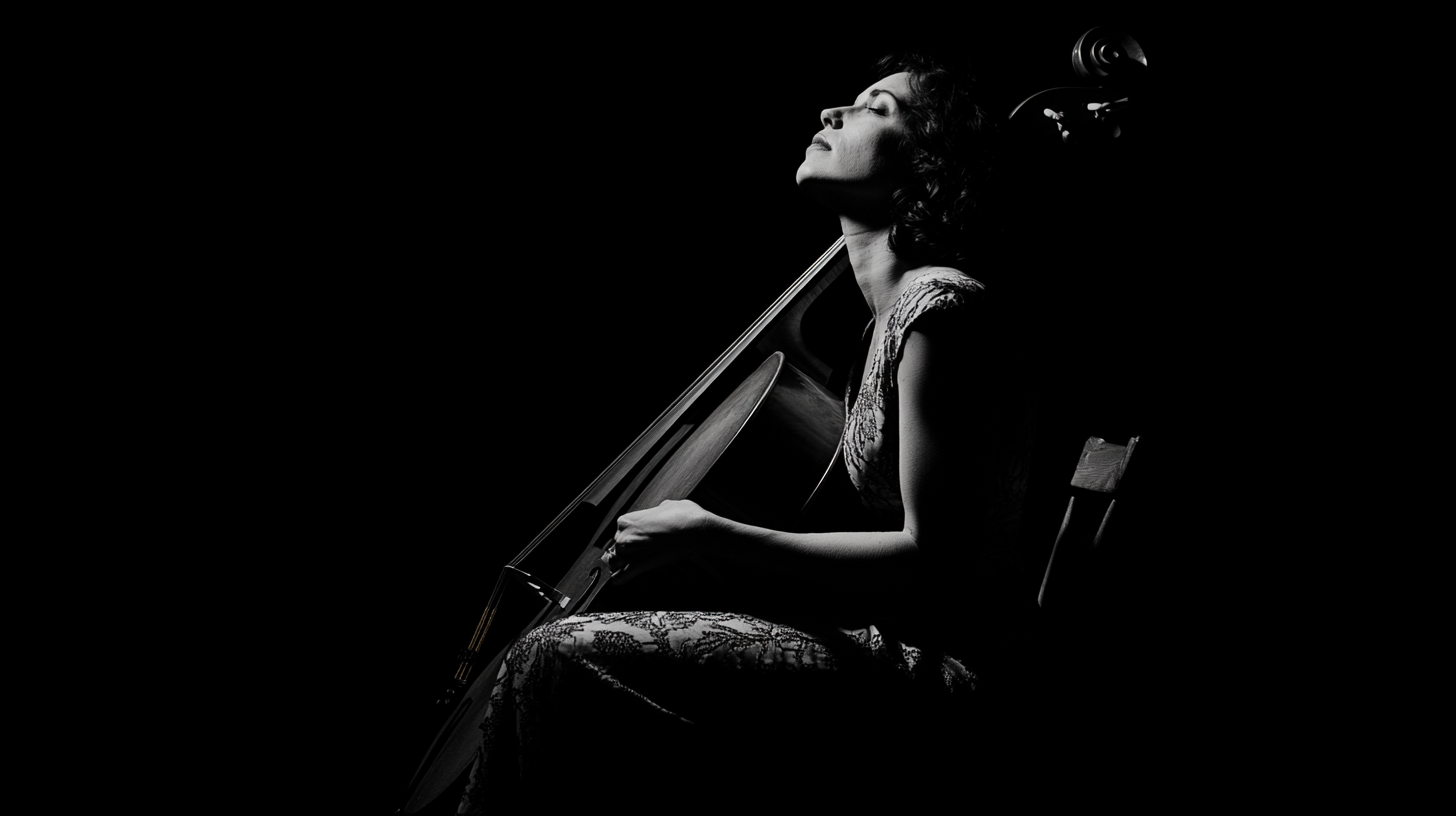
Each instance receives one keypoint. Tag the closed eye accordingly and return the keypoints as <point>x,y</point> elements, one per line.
<point>885,111</point>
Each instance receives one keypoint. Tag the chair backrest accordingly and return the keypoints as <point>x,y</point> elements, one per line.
<point>1100,473</point>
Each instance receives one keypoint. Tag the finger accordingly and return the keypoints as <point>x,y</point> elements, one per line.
<point>620,575</point>
<point>627,572</point>
<point>620,568</point>
<point>617,557</point>
<point>637,566</point>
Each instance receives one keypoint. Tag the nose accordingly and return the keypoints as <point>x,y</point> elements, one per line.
<point>832,118</point>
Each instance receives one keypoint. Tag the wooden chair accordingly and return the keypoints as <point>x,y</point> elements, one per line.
<point>1101,471</point>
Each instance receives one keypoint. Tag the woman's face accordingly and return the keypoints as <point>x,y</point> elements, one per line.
<point>854,162</point>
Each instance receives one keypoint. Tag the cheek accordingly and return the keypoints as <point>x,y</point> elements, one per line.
<point>864,160</point>
<point>875,158</point>
<point>889,161</point>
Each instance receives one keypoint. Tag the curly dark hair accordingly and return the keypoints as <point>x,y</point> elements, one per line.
<point>940,213</point>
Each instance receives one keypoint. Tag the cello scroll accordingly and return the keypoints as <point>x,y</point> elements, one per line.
<point>1086,115</point>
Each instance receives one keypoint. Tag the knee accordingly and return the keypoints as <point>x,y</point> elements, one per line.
<point>550,644</point>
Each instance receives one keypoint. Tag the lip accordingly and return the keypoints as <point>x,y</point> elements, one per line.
<point>819,143</point>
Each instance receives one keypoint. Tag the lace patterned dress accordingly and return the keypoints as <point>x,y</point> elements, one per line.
<point>669,678</point>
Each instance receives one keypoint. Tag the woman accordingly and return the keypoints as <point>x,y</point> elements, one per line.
<point>934,444</point>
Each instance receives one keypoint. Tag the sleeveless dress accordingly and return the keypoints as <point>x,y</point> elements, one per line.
<point>673,678</point>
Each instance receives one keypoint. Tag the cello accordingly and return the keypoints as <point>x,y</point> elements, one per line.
<point>773,395</point>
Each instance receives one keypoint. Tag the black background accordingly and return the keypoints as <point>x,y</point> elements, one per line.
<point>456,265</point>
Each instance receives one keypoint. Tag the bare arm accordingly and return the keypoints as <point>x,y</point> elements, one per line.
<point>943,440</point>
<point>933,438</point>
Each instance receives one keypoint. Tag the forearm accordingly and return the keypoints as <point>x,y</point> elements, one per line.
<point>849,559</point>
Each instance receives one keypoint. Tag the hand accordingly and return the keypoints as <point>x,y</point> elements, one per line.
<point>647,539</point>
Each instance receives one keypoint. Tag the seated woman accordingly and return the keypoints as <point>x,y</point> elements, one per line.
<point>935,445</point>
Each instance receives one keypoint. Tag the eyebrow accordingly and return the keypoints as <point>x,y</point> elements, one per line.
<point>878,91</point>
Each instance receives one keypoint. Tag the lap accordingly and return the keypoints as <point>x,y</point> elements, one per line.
<point>721,639</point>
<point>697,689</point>
<point>709,639</point>
<point>716,663</point>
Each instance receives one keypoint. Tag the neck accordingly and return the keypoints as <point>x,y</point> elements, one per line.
<point>876,268</point>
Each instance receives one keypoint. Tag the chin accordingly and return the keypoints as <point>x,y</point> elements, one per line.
<point>809,177</point>
<point>801,174</point>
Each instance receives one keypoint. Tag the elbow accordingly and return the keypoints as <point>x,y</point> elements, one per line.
<point>909,552</point>
<point>926,546</point>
